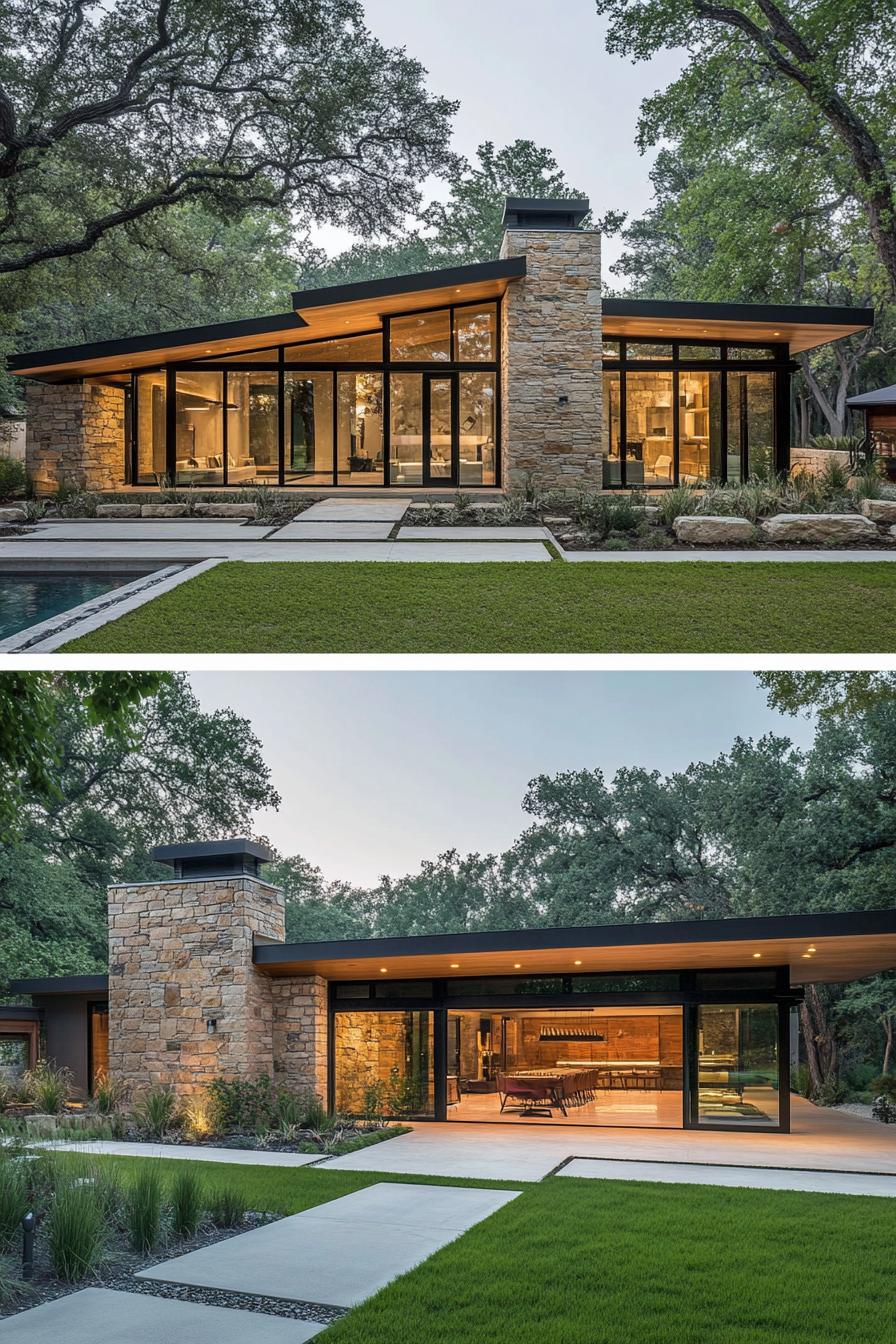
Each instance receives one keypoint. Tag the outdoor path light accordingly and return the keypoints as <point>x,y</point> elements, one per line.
<point>28,1224</point>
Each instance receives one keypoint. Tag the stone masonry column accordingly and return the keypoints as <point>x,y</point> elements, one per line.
<point>74,432</point>
<point>551,355</point>
<point>186,1003</point>
<point>300,1032</point>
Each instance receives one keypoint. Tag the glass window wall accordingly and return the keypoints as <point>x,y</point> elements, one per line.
<point>612,421</point>
<point>648,350</point>
<point>151,404</point>
<point>751,425</point>
<point>347,349</point>
<point>406,429</point>
<point>699,427</point>
<point>383,1063</point>
<point>421,337</point>
<point>308,427</point>
<point>199,428</point>
<point>478,465</point>
<point>649,429</point>
<point>252,445</point>
<point>476,334</point>
<point>359,429</point>
<point>737,1076</point>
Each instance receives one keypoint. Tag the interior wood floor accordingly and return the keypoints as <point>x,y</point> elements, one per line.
<point>625,1107</point>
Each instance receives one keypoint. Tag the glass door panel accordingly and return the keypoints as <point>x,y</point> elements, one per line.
<point>737,1065</point>
<point>439,448</point>
<point>359,428</point>
<point>406,429</point>
<point>383,1063</point>
<point>308,427</point>
<point>699,428</point>
<point>751,425</point>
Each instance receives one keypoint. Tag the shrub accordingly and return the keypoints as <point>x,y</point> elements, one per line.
<point>156,1113</point>
<point>868,483</point>
<point>12,478</point>
<point>186,1201</point>
<point>47,1087</point>
<point>76,1232</point>
<point>143,1209</point>
<point>834,476</point>
<point>884,1110</point>
<point>677,502</point>
<point>800,1080</point>
<point>13,1199</point>
<point>463,505</point>
<point>513,509</point>
<point>34,509</point>
<point>72,502</point>
<point>831,1093</point>
<point>226,1206</point>
<point>109,1094</point>
<point>622,516</point>
<point>884,1086</point>
<point>246,1107</point>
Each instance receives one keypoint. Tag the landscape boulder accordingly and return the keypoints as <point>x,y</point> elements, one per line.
<point>818,528</point>
<point>226,510</point>
<point>650,512</point>
<point>163,511</point>
<point>12,515</point>
<point>880,510</point>
<point>118,510</point>
<point>713,529</point>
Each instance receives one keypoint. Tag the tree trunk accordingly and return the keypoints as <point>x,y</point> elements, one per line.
<point>822,1054</point>
<point>888,1029</point>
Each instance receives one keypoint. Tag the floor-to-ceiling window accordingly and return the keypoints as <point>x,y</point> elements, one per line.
<point>150,401</point>
<point>737,1063</point>
<point>676,412</point>
<point>383,1063</point>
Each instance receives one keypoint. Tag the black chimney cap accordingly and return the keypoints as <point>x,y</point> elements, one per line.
<point>530,212</point>
<point>214,858</point>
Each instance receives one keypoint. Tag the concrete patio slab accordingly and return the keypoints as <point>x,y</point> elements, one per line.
<point>139,1318</point>
<point>341,531</point>
<point>173,529</point>
<point>338,1253</point>
<point>820,1140</point>
<point>754,1178</point>
<point>176,552</point>
<point>484,533</point>
<point>356,510</point>
<point>464,552</point>
<point>245,1157</point>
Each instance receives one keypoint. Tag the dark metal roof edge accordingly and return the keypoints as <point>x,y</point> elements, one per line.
<point>881,396</point>
<point>762,312</point>
<point>201,849</point>
<point>159,340</point>
<point>60,984</point>
<point>858,922</point>
<point>20,1012</point>
<point>510,268</point>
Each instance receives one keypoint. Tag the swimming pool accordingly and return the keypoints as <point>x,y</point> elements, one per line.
<point>27,599</point>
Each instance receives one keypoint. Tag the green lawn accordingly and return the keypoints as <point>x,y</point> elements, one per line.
<point>593,1262</point>
<point>828,607</point>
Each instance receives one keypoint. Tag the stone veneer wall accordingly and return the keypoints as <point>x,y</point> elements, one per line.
<point>300,1032</point>
<point>75,432</point>
<point>551,348</point>
<point>180,955</point>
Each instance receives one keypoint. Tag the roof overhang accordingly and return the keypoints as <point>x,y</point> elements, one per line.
<point>800,326</point>
<point>62,984</point>
<point>848,947</point>
<point>869,401</point>
<point>340,310</point>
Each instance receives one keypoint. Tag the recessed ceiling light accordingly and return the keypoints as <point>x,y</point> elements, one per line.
<point>757,954</point>
<point>517,965</point>
<point>455,966</point>
<point>577,963</point>
<point>382,970</point>
<point>811,948</point>
<point>776,333</point>
<point>807,956</point>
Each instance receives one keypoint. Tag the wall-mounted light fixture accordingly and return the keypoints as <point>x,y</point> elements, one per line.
<point>211,1025</point>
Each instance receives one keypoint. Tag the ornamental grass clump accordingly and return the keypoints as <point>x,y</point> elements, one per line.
<point>143,1209</point>
<point>187,1196</point>
<point>156,1112</point>
<point>47,1087</point>
<point>109,1094</point>
<point>226,1206</point>
<point>677,502</point>
<point>75,1230</point>
<point>13,1199</point>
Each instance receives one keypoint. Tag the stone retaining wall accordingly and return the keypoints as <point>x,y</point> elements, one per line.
<point>75,433</point>
<point>551,360</point>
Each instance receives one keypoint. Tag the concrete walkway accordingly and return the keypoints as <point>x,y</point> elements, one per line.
<point>245,1157</point>
<point>388,509</point>
<point>753,1178</point>
<point>103,1314</point>
<point>173,552</point>
<point>338,1253</point>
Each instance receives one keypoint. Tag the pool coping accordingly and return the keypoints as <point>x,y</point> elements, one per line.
<point>49,635</point>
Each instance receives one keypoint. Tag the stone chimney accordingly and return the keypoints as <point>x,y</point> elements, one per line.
<point>551,348</point>
<point>186,1004</point>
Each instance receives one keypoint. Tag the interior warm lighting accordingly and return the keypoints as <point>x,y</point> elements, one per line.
<point>382,970</point>
<point>517,965</point>
<point>577,963</point>
<point>455,966</point>
<point>811,948</point>
<point>757,954</point>
<point>807,956</point>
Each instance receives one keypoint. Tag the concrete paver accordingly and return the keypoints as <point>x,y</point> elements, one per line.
<point>357,510</point>
<point>248,1157</point>
<point>171,529</point>
<point>138,1318</point>
<point>299,530</point>
<point>484,533</point>
<point>341,1252</point>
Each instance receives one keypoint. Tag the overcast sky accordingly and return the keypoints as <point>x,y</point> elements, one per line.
<point>536,70</point>
<point>378,770</point>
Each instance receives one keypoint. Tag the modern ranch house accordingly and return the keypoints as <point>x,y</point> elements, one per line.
<point>467,378</point>
<point>670,1025</point>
